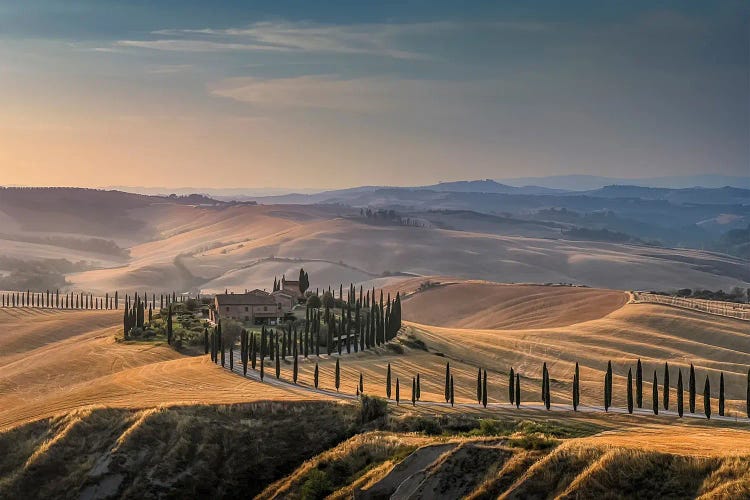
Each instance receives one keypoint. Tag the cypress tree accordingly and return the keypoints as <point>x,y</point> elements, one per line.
<point>639,384</point>
<point>691,389</point>
<point>205,339</point>
<point>666,386</point>
<point>721,394</point>
<point>295,366</point>
<point>452,394</point>
<point>630,391</point>
<point>544,382</point>
<point>608,386</point>
<point>707,398</point>
<point>679,393</point>
<point>413,391</point>
<point>337,375</point>
<point>253,350</point>
<point>388,382</point>
<point>576,388</point>
<point>419,387</point>
<point>231,357</point>
<point>511,390</point>
<point>447,380</point>
<point>169,331</point>
<point>221,348</point>
<point>518,390</point>
<point>747,397</point>
<point>655,394</point>
<point>484,388</point>
<point>479,385</point>
<point>361,383</point>
<point>278,359</point>
<point>398,392</point>
<point>262,353</point>
<point>316,375</point>
<point>547,398</point>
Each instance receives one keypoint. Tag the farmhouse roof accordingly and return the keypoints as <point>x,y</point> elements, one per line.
<point>254,298</point>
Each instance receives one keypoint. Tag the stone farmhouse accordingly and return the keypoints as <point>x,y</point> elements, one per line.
<point>256,307</point>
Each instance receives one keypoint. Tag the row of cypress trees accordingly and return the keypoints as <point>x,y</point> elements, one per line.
<point>53,300</point>
<point>247,343</point>
<point>82,300</point>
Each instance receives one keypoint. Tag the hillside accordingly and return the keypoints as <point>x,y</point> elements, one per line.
<point>82,410</point>
<point>112,240</point>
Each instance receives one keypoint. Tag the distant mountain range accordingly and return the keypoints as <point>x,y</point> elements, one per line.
<point>589,182</point>
<point>520,185</point>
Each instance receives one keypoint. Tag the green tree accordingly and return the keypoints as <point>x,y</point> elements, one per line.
<point>655,394</point>
<point>479,385</point>
<point>316,376</point>
<point>419,387</point>
<point>679,393</point>
<point>547,398</point>
<point>608,387</point>
<point>691,389</point>
<point>447,381</point>
<point>639,384</point>
<point>313,302</point>
<point>337,376</point>
<point>630,391</point>
<point>295,369</point>
<point>721,394</point>
<point>169,331</point>
<point>413,391</point>
<point>484,388</point>
<point>511,382</point>
<point>304,281</point>
<point>544,382</point>
<point>452,394</point>
<point>398,392</point>
<point>666,386</point>
<point>576,388</point>
<point>388,382</point>
<point>707,398</point>
<point>518,390</point>
<point>361,383</point>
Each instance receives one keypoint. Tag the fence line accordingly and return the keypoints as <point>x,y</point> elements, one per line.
<point>717,307</point>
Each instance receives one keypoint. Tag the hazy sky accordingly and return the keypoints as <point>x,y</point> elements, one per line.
<point>332,94</point>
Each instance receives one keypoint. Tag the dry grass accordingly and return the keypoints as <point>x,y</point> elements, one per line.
<point>63,360</point>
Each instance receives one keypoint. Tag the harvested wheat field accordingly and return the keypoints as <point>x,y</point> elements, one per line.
<point>58,361</point>
<point>622,333</point>
<point>485,305</point>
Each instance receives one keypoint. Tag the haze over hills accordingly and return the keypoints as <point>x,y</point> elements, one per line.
<point>98,240</point>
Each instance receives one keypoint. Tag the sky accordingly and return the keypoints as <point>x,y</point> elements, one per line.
<point>336,94</point>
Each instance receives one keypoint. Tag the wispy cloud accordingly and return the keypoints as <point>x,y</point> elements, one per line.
<point>372,39</point>
<point>357,95</point>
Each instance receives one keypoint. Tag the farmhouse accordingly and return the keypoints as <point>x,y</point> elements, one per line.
<point>291,288</point>
<point>256,307</point>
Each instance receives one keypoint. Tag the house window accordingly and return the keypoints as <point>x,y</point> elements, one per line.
<point>227,308</point>
<point>265,308</point>
<point>245,308</point>
<point>247,318</point>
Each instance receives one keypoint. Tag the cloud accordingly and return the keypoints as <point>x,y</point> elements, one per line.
<point>368,95</point>
<point>367,39</point>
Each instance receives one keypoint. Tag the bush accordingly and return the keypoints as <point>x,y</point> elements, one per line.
<point>317,485</point>
<point>372,408</point>
<point>314,302</point>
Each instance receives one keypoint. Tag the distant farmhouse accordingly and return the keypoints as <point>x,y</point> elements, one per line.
<point>291,288</point>
<point>256,307</point>
<point>259,307</point>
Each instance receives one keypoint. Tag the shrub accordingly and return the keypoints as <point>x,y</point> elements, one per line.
<point>317,485</point>
<point>372,408</point>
